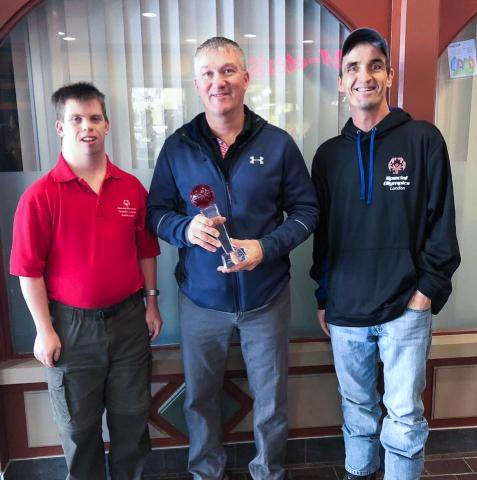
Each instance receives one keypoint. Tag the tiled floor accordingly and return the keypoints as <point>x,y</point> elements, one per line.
<point>309,459</point>
<point>456,466</point>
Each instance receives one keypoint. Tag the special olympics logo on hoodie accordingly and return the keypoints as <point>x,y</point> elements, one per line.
<point>397,165</point>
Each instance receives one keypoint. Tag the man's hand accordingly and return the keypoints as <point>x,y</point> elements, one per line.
<point>201,232</point>
<point>419,301</point>
<point>154,321</point>
<point>254,253</point>
<point>47,348</point>
<point>321,315</point>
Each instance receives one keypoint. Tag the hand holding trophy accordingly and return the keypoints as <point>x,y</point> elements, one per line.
<point>203,197</point>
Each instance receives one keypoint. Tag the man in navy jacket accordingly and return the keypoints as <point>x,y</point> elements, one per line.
<point>258,175</point>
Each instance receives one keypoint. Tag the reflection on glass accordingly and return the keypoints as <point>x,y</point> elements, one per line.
<point>144,65</point>
<point>10,148</point>
<point>456,117</point>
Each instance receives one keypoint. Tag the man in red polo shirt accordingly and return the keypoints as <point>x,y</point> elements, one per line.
<point>84,258</point>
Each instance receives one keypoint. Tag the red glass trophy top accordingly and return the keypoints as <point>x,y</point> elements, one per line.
<point>202,196</point>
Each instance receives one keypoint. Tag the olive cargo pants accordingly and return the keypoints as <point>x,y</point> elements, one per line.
<point>104,364</point>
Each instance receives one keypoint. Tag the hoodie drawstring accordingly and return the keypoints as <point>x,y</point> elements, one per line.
<point>371,167</point>
<point>360,161</point>
<point>369,200</point>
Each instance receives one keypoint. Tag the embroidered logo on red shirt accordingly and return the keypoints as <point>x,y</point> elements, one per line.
<point>126,210</point>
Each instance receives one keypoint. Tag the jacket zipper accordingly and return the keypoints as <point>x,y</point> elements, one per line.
<point>228,198</point>
<point>238,308</point>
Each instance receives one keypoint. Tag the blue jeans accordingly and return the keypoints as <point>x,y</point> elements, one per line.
<point>205,341</point>
<point>403,345</point>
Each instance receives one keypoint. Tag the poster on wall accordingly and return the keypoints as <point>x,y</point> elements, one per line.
<point>462,59</point>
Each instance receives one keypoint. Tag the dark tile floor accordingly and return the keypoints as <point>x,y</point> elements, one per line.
<point>455,466</point>
<point>312,458</point>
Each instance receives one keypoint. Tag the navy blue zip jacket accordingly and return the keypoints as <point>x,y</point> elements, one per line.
<point>267,178</point>
<point>387,224</point>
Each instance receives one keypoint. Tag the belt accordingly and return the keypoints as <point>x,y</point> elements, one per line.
<point>97,313</point>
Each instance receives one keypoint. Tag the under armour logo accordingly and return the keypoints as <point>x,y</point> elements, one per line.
<point>259,160</point>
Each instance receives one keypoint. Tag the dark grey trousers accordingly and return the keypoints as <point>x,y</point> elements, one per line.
<point>205,340</point>
<point>105,363</point>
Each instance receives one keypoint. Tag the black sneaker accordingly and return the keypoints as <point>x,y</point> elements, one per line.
<point>350,476</point>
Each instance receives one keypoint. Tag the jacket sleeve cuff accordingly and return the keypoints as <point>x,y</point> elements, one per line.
<point>425,286</point>
<point>263,249</point>
<point>186,235</point>
<point>321,298</point>
<point>266,245</point>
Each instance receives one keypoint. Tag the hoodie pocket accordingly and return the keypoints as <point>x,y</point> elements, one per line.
<point>364,282</point>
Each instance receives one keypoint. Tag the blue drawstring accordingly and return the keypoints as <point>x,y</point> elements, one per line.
<point>371,167</point>
<point>361,168</point>
<point>360,161</point>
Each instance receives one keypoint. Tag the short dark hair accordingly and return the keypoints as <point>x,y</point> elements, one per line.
<point>365,35</point>
<point>81,91</point>
<point>215,43</point>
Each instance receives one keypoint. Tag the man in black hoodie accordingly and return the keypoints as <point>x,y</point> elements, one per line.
<point>384,254</point>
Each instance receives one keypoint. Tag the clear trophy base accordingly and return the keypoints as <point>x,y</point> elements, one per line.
<point>236,256</point>
<point>202,196</point>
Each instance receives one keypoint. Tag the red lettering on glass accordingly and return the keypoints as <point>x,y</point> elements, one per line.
<point>257,66</point>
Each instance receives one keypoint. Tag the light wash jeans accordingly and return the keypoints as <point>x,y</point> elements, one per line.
<point>205,339</point>
<point>403,345</point>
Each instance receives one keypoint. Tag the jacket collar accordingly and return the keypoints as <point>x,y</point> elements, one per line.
<point>198,130</point>
<point>246,130</point>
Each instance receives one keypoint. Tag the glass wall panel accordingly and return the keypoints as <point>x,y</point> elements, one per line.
<point>456,116</point>
<point>140,54</point>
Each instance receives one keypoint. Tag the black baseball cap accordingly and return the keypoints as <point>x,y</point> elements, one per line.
<point>365,35</point>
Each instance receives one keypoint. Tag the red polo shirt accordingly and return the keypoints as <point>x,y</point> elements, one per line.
<point>85,245</point>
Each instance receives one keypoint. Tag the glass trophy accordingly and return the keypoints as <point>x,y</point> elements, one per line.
<point>203,197</point>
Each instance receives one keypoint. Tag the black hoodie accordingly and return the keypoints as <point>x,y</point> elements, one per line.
<point>387,223</point>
